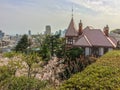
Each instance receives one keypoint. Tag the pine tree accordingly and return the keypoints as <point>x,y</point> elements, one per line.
<point>23,44</point>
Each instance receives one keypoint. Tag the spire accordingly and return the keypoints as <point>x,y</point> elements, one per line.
<point>72,10</point>
<point>71,31</point>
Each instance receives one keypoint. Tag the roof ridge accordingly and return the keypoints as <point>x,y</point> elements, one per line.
<point>111,41</point>
<point>87,40</point>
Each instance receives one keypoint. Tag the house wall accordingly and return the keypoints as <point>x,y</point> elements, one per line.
<point>110,49</point>
<point>101,51</point>
<point>72,38</point>
<point>87,51</point>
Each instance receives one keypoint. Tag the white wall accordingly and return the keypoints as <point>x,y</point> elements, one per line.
<point>73,41</point>
<point>87,51</point>
<point>110,49</point>
<point>101,51</point>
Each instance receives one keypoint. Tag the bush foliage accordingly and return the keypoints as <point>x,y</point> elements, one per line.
<point>10,54</point>
<point>74,53</point>
<point>24,83</point>
<point>102,75</point>
<point>10,81</point>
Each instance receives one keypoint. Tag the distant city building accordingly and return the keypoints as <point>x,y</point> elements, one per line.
<point>1,34</point>
<point>30,36</point>
<point>61,32</point>
<point>17,35</point>
<point>6,37</point>
<point>48,30</point>
<point>29,32</point>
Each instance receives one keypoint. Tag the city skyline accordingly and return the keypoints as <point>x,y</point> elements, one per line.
<point>19,16</point>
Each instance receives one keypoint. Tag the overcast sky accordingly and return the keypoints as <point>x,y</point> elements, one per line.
<point>19,16</point>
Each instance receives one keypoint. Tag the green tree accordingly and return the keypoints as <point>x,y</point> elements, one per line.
<point>32,60</point>
<point>60,49</point>
<point>45,52</point>
<point>74,53</point>
<point>23,44</point>
<point>7,72</point>
<point>51,45</point>
<point>9,81</point>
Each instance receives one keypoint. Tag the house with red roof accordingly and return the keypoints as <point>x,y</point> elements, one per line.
<point>92,41</point>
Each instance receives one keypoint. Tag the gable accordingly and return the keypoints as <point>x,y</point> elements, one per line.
<point>82,41</point>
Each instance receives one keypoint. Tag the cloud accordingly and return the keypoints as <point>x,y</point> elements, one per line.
<point>18,16</point>
<point>109,7</point>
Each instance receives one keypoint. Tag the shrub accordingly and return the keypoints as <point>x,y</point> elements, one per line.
<point>9,54</point>
<point>74,53</point>
<point>102,75</point>
<point>24,83</point>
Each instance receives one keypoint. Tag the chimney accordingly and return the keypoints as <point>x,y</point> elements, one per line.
<point>80,28</point>
<point>106,30</point>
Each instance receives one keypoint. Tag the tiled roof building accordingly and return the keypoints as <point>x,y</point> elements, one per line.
<point>93,41</point>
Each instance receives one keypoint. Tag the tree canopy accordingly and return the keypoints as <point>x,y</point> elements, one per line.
<point>23,44</point>
<point>52,45</point>
<point>10,81</point>
<point>74,53</point>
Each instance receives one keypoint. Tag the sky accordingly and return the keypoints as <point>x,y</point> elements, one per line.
<point>19,16</point>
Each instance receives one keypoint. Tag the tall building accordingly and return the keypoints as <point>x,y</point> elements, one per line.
<point>1,34</point>
<point>48,30</point>
<point>29,32</point>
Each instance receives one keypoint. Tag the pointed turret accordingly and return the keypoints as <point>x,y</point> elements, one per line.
<point>71,31</point>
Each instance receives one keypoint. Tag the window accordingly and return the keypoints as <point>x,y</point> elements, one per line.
<point>95,51</point>
<point>105,50</point>
<point>70,40</point>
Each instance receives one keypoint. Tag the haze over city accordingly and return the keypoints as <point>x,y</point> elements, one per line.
<point>19,16</point>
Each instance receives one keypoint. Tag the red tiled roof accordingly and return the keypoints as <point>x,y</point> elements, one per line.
<point>113,41</point>
<point>71,31</point>
<point>90,37</point>
<point>97,38</point>
<point>82,41</point>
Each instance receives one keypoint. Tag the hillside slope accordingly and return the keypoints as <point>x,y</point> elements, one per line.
<point>102,75</point>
